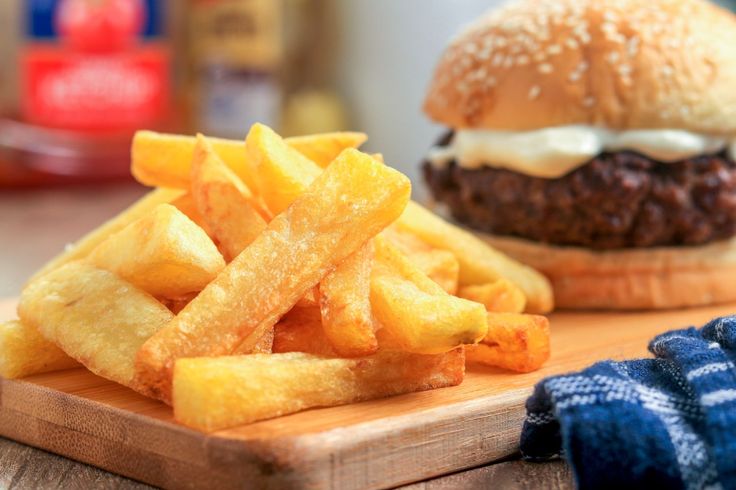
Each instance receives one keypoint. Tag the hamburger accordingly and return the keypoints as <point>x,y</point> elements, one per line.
<point>595,140</point>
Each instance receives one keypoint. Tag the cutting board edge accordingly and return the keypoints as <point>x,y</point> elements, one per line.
<point>97,434</point>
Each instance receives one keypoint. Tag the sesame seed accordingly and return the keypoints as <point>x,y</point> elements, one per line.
<point>545,68</point>
<point>589,101</point>
<point>574,76</point>
<point>534,92</point>
<point>571,43</point>
<point>613,57</point>
<point>522,60</point>
<point>554,49</point>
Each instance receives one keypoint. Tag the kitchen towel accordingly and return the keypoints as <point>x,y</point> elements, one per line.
<point>667,422</point>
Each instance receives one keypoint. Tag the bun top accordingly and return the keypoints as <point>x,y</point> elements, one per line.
<point>621,64</point>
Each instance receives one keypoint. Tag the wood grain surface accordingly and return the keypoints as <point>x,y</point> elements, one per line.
<point>23,467</point>
<point>374,444</point>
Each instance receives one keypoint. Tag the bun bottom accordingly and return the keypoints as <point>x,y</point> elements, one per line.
<point>630,279</point>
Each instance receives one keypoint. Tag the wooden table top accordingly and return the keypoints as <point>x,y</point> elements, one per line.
<point>34,225</point>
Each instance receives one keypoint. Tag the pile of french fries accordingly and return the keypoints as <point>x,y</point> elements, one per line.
<point>265,278</point>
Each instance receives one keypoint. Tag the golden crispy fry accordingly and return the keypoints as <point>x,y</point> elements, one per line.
<point>24,351</point>
<point>164,253</point>
<point>516,342</point>
<point>300,330</point>
<point>264,344</point>
<point>439,265</point>
<point>323,148</point>
<point>479,263</point>
<point>185,203</point>
<point>94,316</point>
<point>349,203</point>
<point>500,296</point>
<point>213,393</point>
<point>310,299</point>
<point>225,203</point>
<point>346,307</point>
<point>282,173</point>
<point>416,311</point>
<point>165,160</point>
<point>82,247</point>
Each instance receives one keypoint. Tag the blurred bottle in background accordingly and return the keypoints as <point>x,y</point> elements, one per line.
<point>261,61</point>
<point>312,103</point>
<point>89,73</point>
<point>236,51</point>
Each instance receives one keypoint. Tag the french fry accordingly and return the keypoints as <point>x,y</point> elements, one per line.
<point>223,200</point>
<point>349,203</point>
<point>300,330</point>
<point>346,307</point>
<point>323,148</point>
<point>82,247</point>
<point>309,299</point>
<point>164,160</point>
<point>185,203</point>
<point>94,316</point>
<point>264,344</point>
<point>515,341</point>
<point>282,173</point>
<point>212,393</point>
<point>24,351</point>
<point>439,265</point>
<point>416,311</point>
<point>500,296</point>
<point>163,253</point>
<point>479,263</point>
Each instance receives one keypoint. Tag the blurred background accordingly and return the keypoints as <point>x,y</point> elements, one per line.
<point>89,72</point>
<point>81,75</point>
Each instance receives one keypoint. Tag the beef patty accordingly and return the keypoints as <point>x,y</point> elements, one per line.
<point>616,200</point>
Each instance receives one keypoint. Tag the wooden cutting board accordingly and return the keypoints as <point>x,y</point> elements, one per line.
<point>374,444</point>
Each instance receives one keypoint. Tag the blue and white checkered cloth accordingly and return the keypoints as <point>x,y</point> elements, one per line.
<point>667,422</point>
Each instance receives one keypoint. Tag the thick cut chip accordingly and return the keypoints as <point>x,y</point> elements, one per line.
<point>94,316</point>
<point>439,265</point>
<point>223,200</point>
<point>264,344</point>
<point>185,203</point>
<point>24,351</point>
<point>353,200</point>
<point>323,148</point>
<point>516,342</point>
<point>164,253</point>
<point>479,263</point>
<point>282,173</point>
<point>87,243</point>
<point>500,296</point>
<point>416,311</point>
<point>345,305</point>
<point>212,393</point>
<point>165,160</point>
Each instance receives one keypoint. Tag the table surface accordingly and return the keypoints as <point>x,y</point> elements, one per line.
<point>35,224</point>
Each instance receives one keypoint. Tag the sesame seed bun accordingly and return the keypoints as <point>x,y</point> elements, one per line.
<point>631,279</point>
<point>613,63</point>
